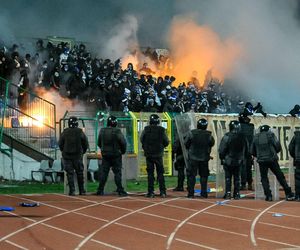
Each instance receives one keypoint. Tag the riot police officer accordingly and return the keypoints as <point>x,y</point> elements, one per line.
<point>112,143</point>
<point>265,148</point>
<point>247,129</point>
<point>294,149</point>
<point>73,143</point>
<point>154,139</point>
<point>198,143</point>
<point>232,151</point>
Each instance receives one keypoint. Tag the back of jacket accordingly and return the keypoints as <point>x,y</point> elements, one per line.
<point>111,141</point>
<point>73,143</point>
<point>294,147</point>
<point>233,148</point>
<point>247,129</point>
<point>199,144</point>
<point>265,147</point>
<point>154,139</point>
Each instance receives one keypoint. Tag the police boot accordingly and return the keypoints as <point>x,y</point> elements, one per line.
<point>81,185</point>
<point>227,195</point>
<point>122,193</point>
<point>236,196</point>
<point>290,197</point>
<point>71,184</point>
<point>269,198</point>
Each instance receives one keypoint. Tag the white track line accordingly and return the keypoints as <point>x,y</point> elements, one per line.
<point>227,216</point>
<point>107,245</point>
<point>119,218</point>
<point>142,230</point>
<point>47,219</point>
<point>284,227</point>
<point>256,219</point>
<point>172,235</point>
<point>16,245</point>
<point>279,242</point>
<point>195,244</point>
<point>66,231</point>
<point>217,229</point>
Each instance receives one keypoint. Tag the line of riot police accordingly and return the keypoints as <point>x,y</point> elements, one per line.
<point>237,150</point>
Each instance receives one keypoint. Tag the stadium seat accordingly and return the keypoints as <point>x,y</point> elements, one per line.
<point>93,168</point>
<point>44,171</point>
<point>57,169</point>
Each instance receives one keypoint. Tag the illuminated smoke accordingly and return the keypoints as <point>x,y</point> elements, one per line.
<point>62,104</point>
<point>198,49</point>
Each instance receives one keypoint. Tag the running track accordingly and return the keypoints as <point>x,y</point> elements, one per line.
<point>136,222</point>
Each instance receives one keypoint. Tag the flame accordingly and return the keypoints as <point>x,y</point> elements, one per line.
<point>196,52</point>
<point>38,121</point>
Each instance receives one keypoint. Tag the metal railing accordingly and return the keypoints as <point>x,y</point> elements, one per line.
<point>28,118</point>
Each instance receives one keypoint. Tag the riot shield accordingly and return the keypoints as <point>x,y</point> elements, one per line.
<point>220,174</point>
<point>291,174</point>
<point>259,191</point>
<point>184,124</point>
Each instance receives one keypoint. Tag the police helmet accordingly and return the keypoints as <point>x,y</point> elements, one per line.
<point>154,119</point>
<point>73,122</point>
<point>234,126</point>
<point>112,121</point>
<point>264,128</point>
<point>202,124</point>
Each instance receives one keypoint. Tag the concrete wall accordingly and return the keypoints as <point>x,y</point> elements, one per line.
<point>18,168</point>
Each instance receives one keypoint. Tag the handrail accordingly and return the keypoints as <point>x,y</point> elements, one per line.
<point>33,124</point>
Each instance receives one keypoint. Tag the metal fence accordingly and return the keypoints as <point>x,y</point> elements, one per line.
<point>28,118</point>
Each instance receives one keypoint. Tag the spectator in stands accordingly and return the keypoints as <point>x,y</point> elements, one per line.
<point>64,62</point>
<point>154,139</point>
<point>73,143</point>
<point>265,148</point>
<point>295,112</point>
<point>112,144</point>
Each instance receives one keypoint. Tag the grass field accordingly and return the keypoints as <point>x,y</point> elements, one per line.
<point>26,187</point>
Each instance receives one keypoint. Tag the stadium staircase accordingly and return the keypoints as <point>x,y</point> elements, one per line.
<point>30,129</point>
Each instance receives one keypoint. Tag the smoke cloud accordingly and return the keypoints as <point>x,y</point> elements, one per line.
<point>198,49</point>
<point>253,45</point>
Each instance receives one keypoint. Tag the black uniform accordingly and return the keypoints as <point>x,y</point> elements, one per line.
<point>247,129</point>
<point>199,143</point>
<point>73,143</point>
<point>232,151</point>
<point>179,164</point>
<point>265,148</point>
<point>112,143</point>
<point>154,139</point>
<point>294,149</point>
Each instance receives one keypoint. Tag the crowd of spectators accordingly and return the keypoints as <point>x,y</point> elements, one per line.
<point>104,84</point>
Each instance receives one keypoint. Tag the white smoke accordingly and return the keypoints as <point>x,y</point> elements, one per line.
<point>122,39</point>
